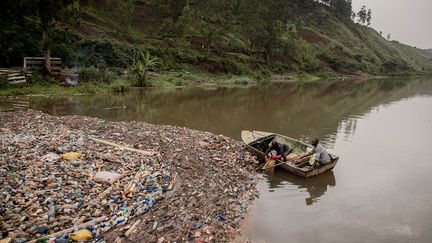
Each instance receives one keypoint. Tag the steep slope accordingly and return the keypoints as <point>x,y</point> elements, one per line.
<point>313,42</point>
<point>218,36</point>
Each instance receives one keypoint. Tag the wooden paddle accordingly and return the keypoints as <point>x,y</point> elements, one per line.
<point>273,166</point>
<point>265,167</point>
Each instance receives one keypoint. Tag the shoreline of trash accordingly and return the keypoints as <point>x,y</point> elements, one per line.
<point>81,178</point>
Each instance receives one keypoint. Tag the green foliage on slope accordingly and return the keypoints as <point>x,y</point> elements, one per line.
<point>241,37</point>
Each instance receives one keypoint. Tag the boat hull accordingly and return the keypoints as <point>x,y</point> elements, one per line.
<point>249,137</point>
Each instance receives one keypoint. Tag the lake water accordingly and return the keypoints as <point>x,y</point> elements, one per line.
<point>381,189</point>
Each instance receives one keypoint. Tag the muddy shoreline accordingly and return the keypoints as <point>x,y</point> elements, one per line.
<point>187,186</point>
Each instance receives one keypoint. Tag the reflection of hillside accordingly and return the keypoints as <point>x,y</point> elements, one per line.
<point>294,109</point>
<point>315,186</point>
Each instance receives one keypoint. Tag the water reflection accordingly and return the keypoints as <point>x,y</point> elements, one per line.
<point>315,186</point>
<point>300,110</point>
<point>318,186</point>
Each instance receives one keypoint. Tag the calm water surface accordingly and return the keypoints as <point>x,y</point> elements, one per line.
<point>381,190</point>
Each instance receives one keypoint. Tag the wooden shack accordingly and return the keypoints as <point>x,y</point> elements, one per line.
<point>14,76</point>
<point>36,63</point>
<point>18,75</point>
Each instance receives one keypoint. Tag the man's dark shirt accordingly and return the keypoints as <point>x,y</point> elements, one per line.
<point>281,149</point>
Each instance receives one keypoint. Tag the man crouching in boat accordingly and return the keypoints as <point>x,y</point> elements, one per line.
<point>282,151</point>
<point>319,154</point>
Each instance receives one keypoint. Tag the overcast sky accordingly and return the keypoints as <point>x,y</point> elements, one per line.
<point>408,21</point>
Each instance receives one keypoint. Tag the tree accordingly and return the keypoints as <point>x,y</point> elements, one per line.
<point>237,6</point>
<point>342,8</point>
<point>353,15</point>
<point>20,35</point>
<point>48,13</point>
<point>369,17</point>
<point>265,27</point>
<point>142,64</point>
<point>362,15</point>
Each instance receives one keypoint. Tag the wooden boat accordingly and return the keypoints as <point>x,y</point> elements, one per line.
<point>258,141</point>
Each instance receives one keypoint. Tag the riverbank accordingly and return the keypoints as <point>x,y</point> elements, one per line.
<point>171,183</point>
<point>54,89</point>
<point>187,79</point>
<point>168,80</point>
<point>121,84</point>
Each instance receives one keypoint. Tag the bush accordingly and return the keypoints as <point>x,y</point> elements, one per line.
<point>135,81</point>
<point>4,83</point>
<point>37,78</point>
<point>88,88</point>
<point>394,65</point>
<point>186,57</point>
<point>178,82</point>
<point>302,53</point>
<point>120,86</point>
<point>95,75</point>
<point>263,82</point>
<point>63,44</point>
<point>91,52</point>
<point>327,75</point>
<point>233,67</point>
<point>265,72</point>
<point>241,80</point>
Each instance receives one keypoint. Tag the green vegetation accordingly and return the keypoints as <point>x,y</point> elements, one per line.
<point>96,75</point>
<point>176,79</point>
<point>141,65</point>
<point>45,85</point>
<point>54,89</point>
<point>190,41</point>
<point>3,82</point>
<point>120,86</point>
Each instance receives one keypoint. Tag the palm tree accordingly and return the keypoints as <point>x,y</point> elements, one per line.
<point>142,64</point>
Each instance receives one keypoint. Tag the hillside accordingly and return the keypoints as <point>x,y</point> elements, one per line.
<point>230,36</point>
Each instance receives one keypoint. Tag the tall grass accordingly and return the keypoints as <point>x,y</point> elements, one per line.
<point>96,75</point>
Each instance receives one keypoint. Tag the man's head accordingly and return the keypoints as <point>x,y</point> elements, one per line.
<point>315,142</point>
<point>273,143</point>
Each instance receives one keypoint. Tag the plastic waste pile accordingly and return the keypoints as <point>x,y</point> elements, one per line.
<point>60,185</point>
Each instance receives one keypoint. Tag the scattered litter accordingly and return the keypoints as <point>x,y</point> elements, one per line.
<point>107,177</point>
<point>81,178</point>
<point>81,235</point>
<point>51,157</point>
<point>71,156</point>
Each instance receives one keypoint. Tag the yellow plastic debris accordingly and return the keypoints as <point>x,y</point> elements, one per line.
<point>81,235</point>
<point>269,165</point>
<point>71,156</point>
<point>7,240</point>
<point>312,160</point>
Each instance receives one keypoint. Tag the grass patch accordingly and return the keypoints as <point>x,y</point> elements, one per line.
<point>186,78</point>
<point>120,86</point>
<point>241,80</point>
<point>328,75</point>
<point>305,77</point>
<point>181,78</point>
<point>96,75</point>
<point>34,89</point>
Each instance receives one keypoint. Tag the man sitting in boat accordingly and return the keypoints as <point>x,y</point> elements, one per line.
<point>319,154</point>
<point>282,151</point>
